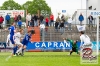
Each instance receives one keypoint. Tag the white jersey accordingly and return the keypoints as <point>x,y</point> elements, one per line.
<point>84,38</point>
<point>8,38</point>
<point>17,37</point>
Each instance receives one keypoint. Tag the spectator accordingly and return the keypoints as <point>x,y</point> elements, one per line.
<point>90,20</point>
<point>7,20</point>
<point>62,27</point>
<point>42,29</point>
<point>57,23</point>
<point>41,18</point>
<point>35,20</point>
<point>19,24</point>
<point>63,18</point>
<point>1,21</point>
<point>15,20</point>
<point>28,18</point>
<point>46,20</point>
<point>51,20</point>
<point>69,23</point>
<point>81,18</point>
<point>19,17</point>
<point>32,20</point>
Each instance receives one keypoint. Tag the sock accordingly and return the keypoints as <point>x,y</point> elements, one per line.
<point>19,49</point>
<point>22,51</point>
<point>15,49</point>
<point>71,52</point>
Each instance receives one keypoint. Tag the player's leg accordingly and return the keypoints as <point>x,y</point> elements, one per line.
<point>24,47</point>
<point>77,51</point>
<point>14,46</point>
<point>20,48</point>
<point>71,52</point>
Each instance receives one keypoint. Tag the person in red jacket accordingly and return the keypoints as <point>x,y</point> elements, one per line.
<point>51,20</point>
<point>16,20</point>
<point>1,21</point>
<point>46,20</point>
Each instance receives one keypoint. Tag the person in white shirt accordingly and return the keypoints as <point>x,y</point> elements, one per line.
<point>42,27</point>
<point>28,18</point>
<point>85,40</point>
<point>69,23</point>
<point>17,40</point>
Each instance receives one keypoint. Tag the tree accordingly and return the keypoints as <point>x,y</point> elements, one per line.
<point>66,17</point>
<point>10,5</point>
<point>40,5</point>
<point>26,5</point>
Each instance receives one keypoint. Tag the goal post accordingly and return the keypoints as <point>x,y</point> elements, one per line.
<point>98,35</point>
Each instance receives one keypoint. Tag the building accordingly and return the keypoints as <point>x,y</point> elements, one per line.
<point>93,8</point>
<point>93,4</point>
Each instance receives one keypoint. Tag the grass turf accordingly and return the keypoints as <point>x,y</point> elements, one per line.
<point>43,59</point>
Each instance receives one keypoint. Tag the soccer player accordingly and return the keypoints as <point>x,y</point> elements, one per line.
<point>74,45</point>
<point>17,39</point>
<point>86,44</point>
<point>8,40</point>
<point>85,40</point>
<point>26,40</point>
<point>12,31</point>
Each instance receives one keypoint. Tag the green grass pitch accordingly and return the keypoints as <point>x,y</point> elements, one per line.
<point>43,59</point>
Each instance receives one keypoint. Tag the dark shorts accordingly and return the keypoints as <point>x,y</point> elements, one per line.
<point>74,49</point>
<point>24,43</point>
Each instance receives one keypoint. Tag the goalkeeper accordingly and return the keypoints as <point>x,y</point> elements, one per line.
<point>74,45</point>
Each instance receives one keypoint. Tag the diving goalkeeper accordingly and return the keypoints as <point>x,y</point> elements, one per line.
<point>74,45</point>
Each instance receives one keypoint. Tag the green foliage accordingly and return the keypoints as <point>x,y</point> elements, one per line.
<point>10,5</point>
<point>66,17</point>
<point>31,6</point>
<point>26,5</point>
<point>40,5</point>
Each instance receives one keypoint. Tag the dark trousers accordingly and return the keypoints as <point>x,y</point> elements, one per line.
<point>20,26</point>
<point>32,24</point>
<point>90,23</point>
<point>1,26</point>
<point>28,23</point>
<point>8,23</point>
<point>47,24</point>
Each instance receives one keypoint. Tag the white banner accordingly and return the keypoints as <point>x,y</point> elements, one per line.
<point>81,28</point>
<point>12,13</point>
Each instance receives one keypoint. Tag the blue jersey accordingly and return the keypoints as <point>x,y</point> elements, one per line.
<point>26,39</point>
<point>11,29</point>
<point>19,23</point>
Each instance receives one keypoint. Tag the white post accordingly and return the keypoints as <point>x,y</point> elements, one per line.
<point>97,35</point>
<point>86,10</point>
<point>81,4</point>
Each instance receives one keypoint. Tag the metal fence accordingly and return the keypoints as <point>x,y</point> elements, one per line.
<point>4,32</point>
<point>51,34</point>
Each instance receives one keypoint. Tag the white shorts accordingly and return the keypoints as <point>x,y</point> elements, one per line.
<point>87,45</point>
<point>18,43</point>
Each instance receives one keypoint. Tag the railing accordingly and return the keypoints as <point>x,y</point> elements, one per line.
<point>4,32</point>
<point>51,34</point>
